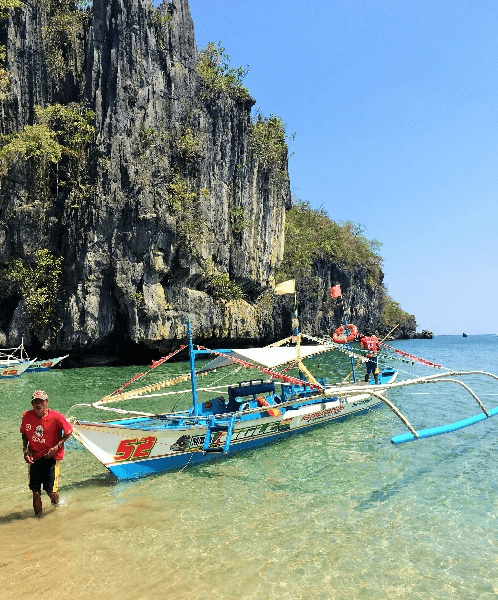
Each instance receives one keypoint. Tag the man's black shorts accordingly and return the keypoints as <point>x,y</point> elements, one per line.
<point>371,365</point>
<point>44,471</point>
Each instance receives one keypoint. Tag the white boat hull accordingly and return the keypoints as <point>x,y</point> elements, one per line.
<point>39,366</point>
<point>132,448</point>
<point>14,368</point>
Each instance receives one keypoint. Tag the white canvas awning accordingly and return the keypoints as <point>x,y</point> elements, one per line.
<point>265,357</point>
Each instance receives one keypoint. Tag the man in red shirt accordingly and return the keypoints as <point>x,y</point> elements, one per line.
<point>44,432</point>
<point>372,345</point>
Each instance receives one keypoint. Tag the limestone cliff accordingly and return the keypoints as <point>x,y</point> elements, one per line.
<point>166,204</point>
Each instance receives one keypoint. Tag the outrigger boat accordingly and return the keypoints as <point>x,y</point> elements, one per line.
<point>241,416</point>
<point>16,360</point>
<point>40,366</point>
<point>244,415</point>
<point>11,365</point>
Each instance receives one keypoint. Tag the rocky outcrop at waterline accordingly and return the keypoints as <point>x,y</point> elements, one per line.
<point>425,334</point>
<point>148,189</point>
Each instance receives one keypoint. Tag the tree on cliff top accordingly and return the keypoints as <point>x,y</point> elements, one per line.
<point>310,234</point>
<point>218,77</point>
<point>5,5</point>
<point>392,315</point>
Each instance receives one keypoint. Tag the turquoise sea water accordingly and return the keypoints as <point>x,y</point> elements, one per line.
<point>338,513</point>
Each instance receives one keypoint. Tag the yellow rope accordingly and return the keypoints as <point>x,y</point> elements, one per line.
<point>279,343</point>
<point>144,390</point>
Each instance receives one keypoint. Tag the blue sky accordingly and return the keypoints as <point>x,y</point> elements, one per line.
<point>394,106</point>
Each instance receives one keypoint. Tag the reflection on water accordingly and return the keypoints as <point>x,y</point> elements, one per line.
<point>338,513</point>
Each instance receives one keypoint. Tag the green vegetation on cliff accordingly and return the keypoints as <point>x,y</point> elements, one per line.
<point>311,234</point>
<point>393,315</point>
<point>37,281</point>
<point>4,76</point>
<point>218,77</point>
<point>5,5</point>
<point>268,143</point>
<point>62,37</point>
<point>61,137</point>
<point>220,286</point>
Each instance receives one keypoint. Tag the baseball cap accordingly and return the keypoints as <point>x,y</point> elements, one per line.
<point>40,394</point>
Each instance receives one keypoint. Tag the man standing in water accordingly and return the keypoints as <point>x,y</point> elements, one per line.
<point>44,432</point>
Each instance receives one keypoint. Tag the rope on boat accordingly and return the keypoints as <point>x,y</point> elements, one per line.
<point>223,376</point>
<point>279,343</point>
<point>270,372</point>
<point>143,390</point>
<point>413,358</point>
<point>408,358</point>
<point>332,345</point>
<point>385,356</point>
<point>186,464</point>
<point>155,363</point>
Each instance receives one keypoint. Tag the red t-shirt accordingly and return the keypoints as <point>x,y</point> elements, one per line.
<point>370,343</point>
<point>45,433</point>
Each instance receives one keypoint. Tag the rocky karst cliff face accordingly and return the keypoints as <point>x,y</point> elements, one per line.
<point>165,206</point>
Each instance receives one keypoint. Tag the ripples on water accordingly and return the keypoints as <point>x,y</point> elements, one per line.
<point>338,513</point>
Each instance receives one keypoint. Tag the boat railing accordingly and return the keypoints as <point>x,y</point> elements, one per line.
<point>295,402</point>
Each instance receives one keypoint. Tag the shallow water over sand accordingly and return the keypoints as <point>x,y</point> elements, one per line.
<point>338,513</point>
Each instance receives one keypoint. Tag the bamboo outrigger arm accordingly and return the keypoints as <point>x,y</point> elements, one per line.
<point>433,431</point>
<point>395,411</point>
<point>414,435</point>
<point>483,408</point>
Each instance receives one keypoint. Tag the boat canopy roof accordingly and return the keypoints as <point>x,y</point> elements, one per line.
<point>265,357</point>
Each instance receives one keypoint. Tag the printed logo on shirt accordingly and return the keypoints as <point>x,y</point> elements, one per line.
<point>28,426</point>
<point>38,435</point>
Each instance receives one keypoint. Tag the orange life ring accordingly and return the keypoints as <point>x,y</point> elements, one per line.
<point>274,412</point>
<point>341,335</point>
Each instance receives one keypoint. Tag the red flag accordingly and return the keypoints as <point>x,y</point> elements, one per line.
<point>335,291</point>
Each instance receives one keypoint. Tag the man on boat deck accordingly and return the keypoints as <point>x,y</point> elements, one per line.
<point>371,343</point>
<point>44,432</point>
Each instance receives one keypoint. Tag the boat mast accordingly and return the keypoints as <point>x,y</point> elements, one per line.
<point>347,344</point>
<point>297,335</point>
<point>193,377</point>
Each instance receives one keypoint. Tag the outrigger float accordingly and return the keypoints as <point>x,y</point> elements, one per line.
<point>247,414</point>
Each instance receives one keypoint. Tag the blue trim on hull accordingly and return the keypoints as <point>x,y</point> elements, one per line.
<point>144,468</point>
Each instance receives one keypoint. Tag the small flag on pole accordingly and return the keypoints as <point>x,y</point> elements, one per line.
<point>287,287</point>
<point>335,292</point>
